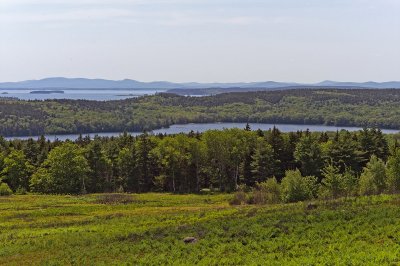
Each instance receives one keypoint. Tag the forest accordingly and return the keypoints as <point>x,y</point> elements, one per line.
<point>270,165</point>
<point>339,107</point>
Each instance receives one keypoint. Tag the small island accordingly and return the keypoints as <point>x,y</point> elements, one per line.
<point>46,92</point>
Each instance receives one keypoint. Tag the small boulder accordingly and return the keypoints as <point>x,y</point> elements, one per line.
<point>190,239</point>
<point>311,206</point>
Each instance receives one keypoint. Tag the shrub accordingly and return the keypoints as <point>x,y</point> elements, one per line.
<point>20,191</point>
<point>267,192</point>
<point>239,198</point>
<point>114,199</point>
<point>244,188</point>
<point>5,190</point>
<point>295,187</point>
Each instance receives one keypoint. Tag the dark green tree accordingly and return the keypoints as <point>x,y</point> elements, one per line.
<point>100,175</point>
<point>309,155</point>
<point>262,166</point>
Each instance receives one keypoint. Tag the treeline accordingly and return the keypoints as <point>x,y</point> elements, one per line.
<point>218,160</point>
<point>340,107</point>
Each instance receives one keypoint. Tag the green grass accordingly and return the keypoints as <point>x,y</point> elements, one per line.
<point>79,230</point>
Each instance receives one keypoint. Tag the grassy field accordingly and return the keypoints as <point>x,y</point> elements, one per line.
<point>149,229</point>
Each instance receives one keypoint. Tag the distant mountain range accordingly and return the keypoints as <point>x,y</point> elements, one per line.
<point>83,83</point>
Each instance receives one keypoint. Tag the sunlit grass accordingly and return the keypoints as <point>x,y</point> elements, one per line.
<point>57,230</point>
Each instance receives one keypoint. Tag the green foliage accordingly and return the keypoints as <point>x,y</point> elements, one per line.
<point>343,152</point>
<point>373,177</point>
<point>100,174</point>
<point>239,198</point>
<point>268,192</point>
<point>5,190</point>
<point>333,183</point>
<point>150,228</point>
<point>16,170</point>
<point>263,162</point>
<point>113,199</point>
<point>350,182</point>
<point>187,163</point>
<point>308,153</point>
<point>393,172</point>
<point>276,141</point>
<point>64,171</point>
<point>296,187</point>
<point>373,142</point>
<point>341,107</point>
<point>127,169</point>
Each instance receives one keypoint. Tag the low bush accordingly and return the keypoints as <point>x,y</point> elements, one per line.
<point>267,192</point>
<point>21,191</point>
<point>239,198</point>
<point>5,190</point>
<point>114,199</point>
<point>296,187</point>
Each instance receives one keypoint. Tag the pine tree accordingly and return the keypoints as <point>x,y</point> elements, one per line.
<point>99,177</point>
<point>275,139</point>
<point>262,166</point>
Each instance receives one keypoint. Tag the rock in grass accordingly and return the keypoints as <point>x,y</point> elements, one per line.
<point>311,206</point>
<point>190,239</point>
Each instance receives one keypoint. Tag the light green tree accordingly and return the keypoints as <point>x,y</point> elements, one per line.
<point>333,183</point>
<point>295,187</point>
<point>373,177</point>
<point>393,172</point>
<point>16,170</point>
<point>65,171</point>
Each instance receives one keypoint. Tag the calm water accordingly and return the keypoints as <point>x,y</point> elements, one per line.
<point>174,129</point>
<point>94,94</point>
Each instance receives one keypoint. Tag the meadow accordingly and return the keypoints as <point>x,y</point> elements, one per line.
<point>148,229</point>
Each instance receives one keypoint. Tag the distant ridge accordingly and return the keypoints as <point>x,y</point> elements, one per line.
<point>84,83</point>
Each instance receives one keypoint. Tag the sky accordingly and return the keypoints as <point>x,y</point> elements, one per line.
<point>201,40</point>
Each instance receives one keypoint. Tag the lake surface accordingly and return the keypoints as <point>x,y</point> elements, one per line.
<point>175,129</point>
<point>75,94</point>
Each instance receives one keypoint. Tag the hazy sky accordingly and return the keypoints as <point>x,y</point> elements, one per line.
<point>201,40</point>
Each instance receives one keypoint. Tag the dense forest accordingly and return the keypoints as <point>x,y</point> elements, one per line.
<point>340,107</point>
<point>300,165</point>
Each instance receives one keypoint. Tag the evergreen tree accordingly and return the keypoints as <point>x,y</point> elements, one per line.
<point>128,178</point>
<point>275,139</point>
<point>31,150</point>
<point>309,155</point>
<point>100,175</point>
<point>342,152</point>
<point>146,162</point>
<point>262,165</point>
<point>288,161</point>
